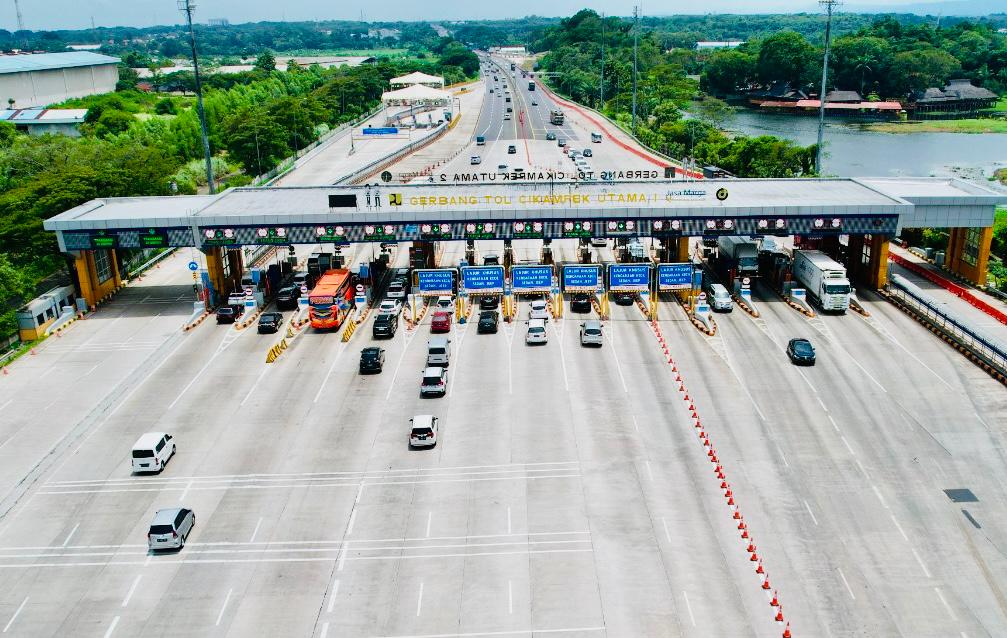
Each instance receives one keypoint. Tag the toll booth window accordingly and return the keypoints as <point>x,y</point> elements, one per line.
<point>39,320</point>
<point>102,265</point>
<point>970,251</point>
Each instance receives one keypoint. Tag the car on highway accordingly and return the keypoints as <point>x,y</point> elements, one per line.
<point>561,142</point>
<point>151,452</point>
<point>170,528</point>
<point>591,334</point>
<point>596,138</point>
<point>536,332</point>
<point>372,359</point>
<point>390,307</point>
<point>550,136</point>
<point>506,116</point>
<point>286,298</point>
<point>303,278</point>
<point>491,90</point>
<point>435,381</point>
<point>510,109</point>
<point>502,168</point>
<point>385,326</point>
<point>229,313</point>
<point>489,302</point>
<point>624,298</point>
<point>444,302</point>
<point>423,432</point>
<point>489,321</point>
<point>441,321</point>
<point>534,103</point>
<point>511,150</point>
<point>491,259</point>
<point>580,302</point>
<point>269,322</point>
<point>539,309</point>
<point>801,352</point>
<point>397,289</point>
<point>599,242</point>
<point>480,140</point>
<point>475,159</point>
<point>588,152</point>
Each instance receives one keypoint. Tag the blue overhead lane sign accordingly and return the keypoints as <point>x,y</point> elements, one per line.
<point>581,278</point>
<point>531,278</point>
<point>628,277</point>
<point>674,276</point>
<point>483,279</point>
<point>436,282</point>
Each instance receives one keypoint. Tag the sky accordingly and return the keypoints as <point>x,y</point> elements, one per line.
<point>77,14</point>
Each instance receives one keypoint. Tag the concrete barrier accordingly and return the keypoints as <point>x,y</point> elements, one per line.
<point>799,300</point>
<point>744,299</point>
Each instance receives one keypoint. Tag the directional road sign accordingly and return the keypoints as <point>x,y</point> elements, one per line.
<point>628,277</point>
<point>193,266</point>
<point>436,282</point>
<point>532,278</point>
<point>674,276</point>
<point>581,278</point>
<point>483,279</point>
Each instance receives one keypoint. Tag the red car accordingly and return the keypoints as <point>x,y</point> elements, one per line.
<point>441,321</point>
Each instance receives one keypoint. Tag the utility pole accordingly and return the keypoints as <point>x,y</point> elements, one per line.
<point>187,7</point>
<point>20,21</point>
<point>829,6</point>
<point>636,20</point>
<point>601,85</point>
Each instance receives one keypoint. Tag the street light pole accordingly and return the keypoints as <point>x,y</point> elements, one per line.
<point>636,19</point>
<point>187,7</point>
<point>601,84</point>
<point>829,5</point>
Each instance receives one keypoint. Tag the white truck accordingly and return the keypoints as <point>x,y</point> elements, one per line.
<point>823,278</point>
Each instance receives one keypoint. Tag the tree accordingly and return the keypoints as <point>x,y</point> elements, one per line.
<point>128,79</point>
<point>266,62</point>
<point>728,71</point>
<point>787,57</point>
<point>15,289</point>
<point>921,69</point>
<point>256,139</point>
<point>856,59</point>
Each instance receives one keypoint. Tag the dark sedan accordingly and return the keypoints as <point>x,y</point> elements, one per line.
<point>801,352</point>
<point>488,321</point>
<point>623,298</point>
<point>228,314</point>
<point>489,303</point>
<point>286,298</point>
<point>580,302</point>
<point>270,322</point>
<point>372,359</point>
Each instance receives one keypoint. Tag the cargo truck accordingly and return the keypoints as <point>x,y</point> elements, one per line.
<point>824,279</point>
<point>738,258</point>
<point>531,86</point>
<point>556,117</point>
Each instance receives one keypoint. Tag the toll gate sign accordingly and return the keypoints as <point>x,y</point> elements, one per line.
<point>531,278</point>
<point>628,277</point>
<point>483,279</point>
<point>674,276</point>
<point>436,282</point>
<point>581,278</point>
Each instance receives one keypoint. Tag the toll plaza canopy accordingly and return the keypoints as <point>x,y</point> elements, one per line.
<point>525,205</point>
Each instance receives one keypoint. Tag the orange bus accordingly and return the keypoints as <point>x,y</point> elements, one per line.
<point>331,300</point>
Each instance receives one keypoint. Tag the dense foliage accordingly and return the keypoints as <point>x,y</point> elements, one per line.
<point>663,91</point>
<point>886,58</point>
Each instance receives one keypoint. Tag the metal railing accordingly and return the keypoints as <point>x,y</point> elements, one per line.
<point>984,346</point>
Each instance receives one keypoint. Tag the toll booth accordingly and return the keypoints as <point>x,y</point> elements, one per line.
<point>38,314</point>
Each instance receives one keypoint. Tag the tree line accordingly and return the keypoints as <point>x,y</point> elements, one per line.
<point>663,93</point>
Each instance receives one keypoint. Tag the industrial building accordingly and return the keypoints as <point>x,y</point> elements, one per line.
<point>41,79</point>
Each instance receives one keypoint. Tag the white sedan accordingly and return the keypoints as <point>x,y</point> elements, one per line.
<point>390,307</point>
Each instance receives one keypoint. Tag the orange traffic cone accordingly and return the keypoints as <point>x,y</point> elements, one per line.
<point>786,632</point>
<point>759,569</point>
<point>774,602</point>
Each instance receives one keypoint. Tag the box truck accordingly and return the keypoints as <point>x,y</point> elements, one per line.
<point>824,279</point>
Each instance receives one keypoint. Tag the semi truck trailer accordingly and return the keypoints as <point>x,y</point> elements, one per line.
<point>824,279</point>
<point>738,258</point>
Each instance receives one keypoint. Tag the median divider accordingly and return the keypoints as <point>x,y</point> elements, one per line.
<point>293,330</point>
<point>199,315</point>
<point>247,321</point>
<point>351,327</point>
<point>744,301</point>
<point>856,306</point>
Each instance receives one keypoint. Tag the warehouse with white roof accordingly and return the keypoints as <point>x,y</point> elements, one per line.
<point>41,79</point>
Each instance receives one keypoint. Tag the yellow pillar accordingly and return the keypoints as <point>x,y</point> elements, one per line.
<point>83,264</point>
<point>215,271</point>
<point>877,269</point>
<point>954,257</point>
<point>683,250</point>
<point>236,266</point>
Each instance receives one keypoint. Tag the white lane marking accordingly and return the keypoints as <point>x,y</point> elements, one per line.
<point>615,356</point>
<point>869,375</point>
<point>395,372</point>
<point>430,519</point>
<point>562,359</point>
<point>737,375</point>
<point>920,361</point>
<point>342,555</point>
<point>111,628</point>
<point>807,380</point>
<point>650,472</point>
<point>325,631</point>
<point>951,612</point>
<point>685,595</point>
<point>419,600</point>
<point>782,455</point>
<point>332,596</point>
<point>519,632</point>
<point>332,367</point>
<point>251,390</point>
<point>864,471</point>
<point>848,447</point>
<point>833,422</point>
<point>667,534</point>
<point>508,520</point>
<point>224,344</point>
<point>846,582</point>
<point>810,513</point>
<point>49,405</point>
<point>129,594</point>
<point>822,403</point>
<point>66,541</point>
<point>9,401</point>
<point>181,496</point>
<point>510,597</point>
<point>223,607</point>
<point>16,613</point>
<point>877,493</point>
<point>353,519</point>
<point>635,424</point>
<point>360,494</point>
<point>919,560</point>
<point>977,417</point>
<point>255,532</point>
<point>901,531</point>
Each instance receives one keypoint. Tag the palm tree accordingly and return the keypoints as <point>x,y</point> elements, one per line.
<point>863,64</point>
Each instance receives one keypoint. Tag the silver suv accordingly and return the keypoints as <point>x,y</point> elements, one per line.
<point>591,334</point>
<point>170,528</point>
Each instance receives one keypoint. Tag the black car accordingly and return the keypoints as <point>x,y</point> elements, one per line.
<point>488,321</point>
<point>511,149</point>
<point>801,352</point>
<point>385,325</point>
<point>550,136</point>
<point>489,303</point>
<point>270,322</point>
<point>623,298</point>
<point>229,313</point>
<point>372,359</point>
<point>580,302</point>
<point>286,298</point>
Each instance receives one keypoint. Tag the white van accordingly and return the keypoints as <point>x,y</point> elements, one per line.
<point>152,451</point>
<point>539,309</point>
<point>438,351</point>
<point>719,298</point>
<point>536,332</point>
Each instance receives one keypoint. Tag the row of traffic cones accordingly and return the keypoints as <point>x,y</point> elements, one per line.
<point>725,486</point>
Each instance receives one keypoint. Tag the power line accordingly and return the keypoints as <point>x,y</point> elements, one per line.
<point>829,6</point>
<point>187,7</point>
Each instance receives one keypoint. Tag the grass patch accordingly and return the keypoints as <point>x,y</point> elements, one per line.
<point>940,126</point>
<point>1001,105</point>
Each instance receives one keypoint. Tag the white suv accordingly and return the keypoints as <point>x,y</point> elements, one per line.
<point>590,333</point>
<point>539,309</point>
<point>170,528</point>
<point>424,431</point>
<point>536,332</point>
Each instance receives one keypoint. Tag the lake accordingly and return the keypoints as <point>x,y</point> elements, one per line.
<point>851,152</point>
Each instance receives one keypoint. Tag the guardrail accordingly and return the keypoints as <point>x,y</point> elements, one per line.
<point>150,262</point>
<point>989,352</point>
<point>950,286</point>
<point>378,164</point>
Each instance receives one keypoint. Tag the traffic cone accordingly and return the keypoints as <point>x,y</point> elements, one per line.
<point>759,569</point>
<point>714,458</point>
<point>779,614</point>
<point>774,602</point>
<point>706,443</point>
<point>728,493</point>
<point>730,501</point>
<point>674,369</point>
<point>710,453</point>
<point>786,632</point>
<point>754,558</point>
<point>723,485</point>
<point>765,583</point>
<point>751,546</point>
<point>691,407</point>
<point>737,517</point>
<point>681,388</point>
